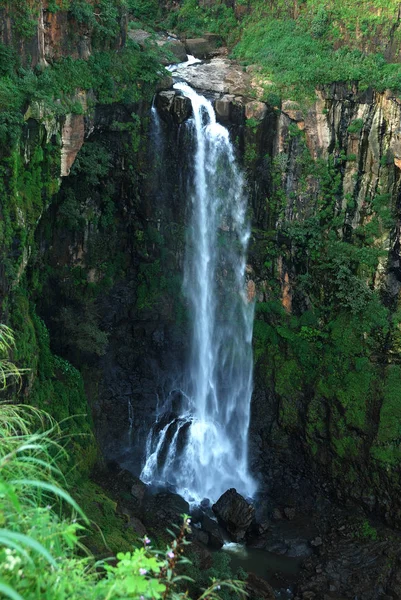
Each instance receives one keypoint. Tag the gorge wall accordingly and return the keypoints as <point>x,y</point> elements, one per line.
<point>93,235</point>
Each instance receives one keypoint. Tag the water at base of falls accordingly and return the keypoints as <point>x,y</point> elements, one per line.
<point>199,443</point>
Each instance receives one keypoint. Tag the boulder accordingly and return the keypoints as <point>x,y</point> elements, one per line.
<point>165,83</point>
<point>204,47</point>
<point>137,525</point>
<point>218,75</point>
<point>173,105</point>
<point>234,513</point>
<point>182,109</point>
<point>289,512</point>
<point>256,587</point>
<point>255,110</point>
<point>176,50</point>
<point>292,110</point>
<point>138,490</point>
<point>199,536</point>
<point>139,36</point>
<point>164,509</point>
<point>212,528</point>
<point>223,106</point>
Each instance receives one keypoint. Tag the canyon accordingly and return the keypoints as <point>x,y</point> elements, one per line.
<point>94,225</point>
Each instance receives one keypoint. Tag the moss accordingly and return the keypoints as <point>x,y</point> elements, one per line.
<point>388,456</point>
<point>52,383</point>
<point>289,386</point>
<point>390,413</point>
<point>109,531</point>
<point>316,419</point>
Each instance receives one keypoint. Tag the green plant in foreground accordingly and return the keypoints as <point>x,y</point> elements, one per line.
<point>8,371</point>
<point>41,556</point>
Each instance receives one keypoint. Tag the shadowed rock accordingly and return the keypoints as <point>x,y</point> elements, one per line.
<point>212,529</point>
<point>234,513</point>
<point>204,47</point>
<point>256,587</point>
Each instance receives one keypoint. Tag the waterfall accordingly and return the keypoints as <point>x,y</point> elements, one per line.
<point>201,444</point>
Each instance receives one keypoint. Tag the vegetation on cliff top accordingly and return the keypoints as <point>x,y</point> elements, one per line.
<point>298,46</point>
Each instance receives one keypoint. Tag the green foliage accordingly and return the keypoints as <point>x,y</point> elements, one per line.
<point>327,360</point>
<point>9,372</point>
<point>52,383</point>
<point>356,126</point>
<point>25,15</point>
<point>365,531</point>
<point>144,10</point>
<point>41,555</point>
<point>194,19</point>
<point>317,46</point>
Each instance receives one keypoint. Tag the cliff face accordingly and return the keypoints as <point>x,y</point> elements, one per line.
<point>324,188</point>
<point>328,242</point>
<point>54,114</point>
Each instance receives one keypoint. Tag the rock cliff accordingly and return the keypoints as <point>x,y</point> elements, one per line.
<point>93,242</point>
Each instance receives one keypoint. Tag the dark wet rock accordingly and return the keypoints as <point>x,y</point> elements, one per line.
<point>203,555</point>
<point>199,535</point>
<point>182,109</point>
<point>277,514</point>
<point>281,540</point>
<point>164,509</point>
<point>260,529</point>
<point>137,525</point>
<point>317,542</point>
<point>205,503</point>
<point>289,513</point>
<point>173,106</point>
<point>196,514</point>
<point>212,528</point>
<point>138,491</point>
<point>308,595</point>
<point>394,588</point>
<point>256,587</point>
<point>165,83</point>
<point>234,513</point>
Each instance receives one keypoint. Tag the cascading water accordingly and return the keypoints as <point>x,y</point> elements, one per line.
<point>200,444</point>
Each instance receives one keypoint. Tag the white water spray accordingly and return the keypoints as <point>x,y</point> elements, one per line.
<point>201,448</point>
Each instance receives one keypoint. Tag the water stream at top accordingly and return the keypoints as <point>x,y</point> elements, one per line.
<point>200,443</point>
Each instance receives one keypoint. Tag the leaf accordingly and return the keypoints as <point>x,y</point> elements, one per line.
<point>57,491</point>
<point>12,537</point>
<point>9,591</point>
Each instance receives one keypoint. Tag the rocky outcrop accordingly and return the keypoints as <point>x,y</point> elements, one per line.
<point>212,530</point>
<point>217,75</point>
<point>234,513</point>
<point>55,34</point>
<point>204,47</point>
<point>256,587</point>
<point>173,106</point>
<point>72,139</point>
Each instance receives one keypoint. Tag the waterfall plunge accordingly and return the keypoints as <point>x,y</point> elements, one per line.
<point>202,450</point>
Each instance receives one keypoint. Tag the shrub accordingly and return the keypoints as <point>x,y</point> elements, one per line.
<point>41,556</point>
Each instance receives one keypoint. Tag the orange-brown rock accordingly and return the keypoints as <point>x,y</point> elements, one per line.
<point>72,135</point>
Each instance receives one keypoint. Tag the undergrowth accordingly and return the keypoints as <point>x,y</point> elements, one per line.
<point>41,525</point>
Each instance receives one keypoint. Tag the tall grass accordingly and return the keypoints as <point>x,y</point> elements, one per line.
<point>41,556</point>
<point>34,537</point>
